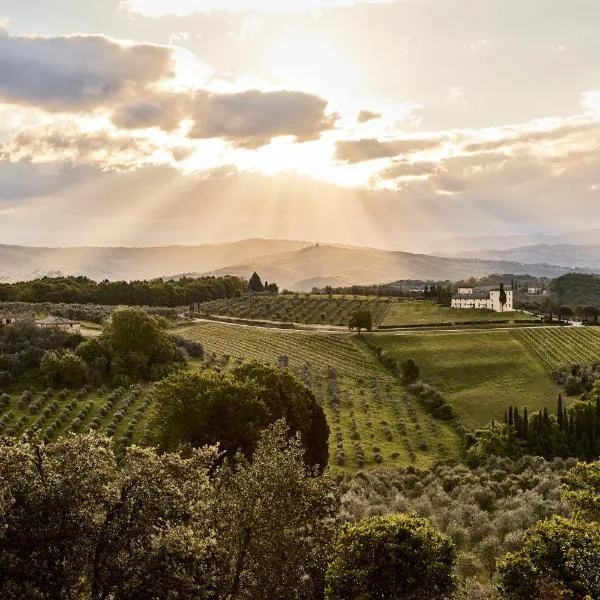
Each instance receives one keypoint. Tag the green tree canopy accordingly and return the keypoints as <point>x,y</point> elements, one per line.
<point>361,319</point>
<point>63,369</point>
<point>582,489</point>
<point>232,408</point>
<point>391,558</point>
<point>558,554</point>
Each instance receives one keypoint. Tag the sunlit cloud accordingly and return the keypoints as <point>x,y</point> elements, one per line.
<point>159,8</point>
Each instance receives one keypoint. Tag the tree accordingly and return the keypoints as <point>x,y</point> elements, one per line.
<point>565,311</point>
<point>502,296</point>
<point>389,558</point>
<point>63,369</point>
<point>558,552</point>
<point>276,522</point>
<point>75,525</point>
<point>582,490</point>
<point>410,371</point>
<point>255,283</point>
<point>231,409</point>
<point>361,319</point>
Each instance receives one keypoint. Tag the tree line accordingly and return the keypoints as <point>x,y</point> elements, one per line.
<point>157,292</point>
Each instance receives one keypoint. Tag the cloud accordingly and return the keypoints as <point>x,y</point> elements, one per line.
<point>408,169</point>
<point>183,8</point>
<point>77,73</point>
<point>355,151</point>
<point>364,116</point>
<point>164,110</point>
<point>252,118</point>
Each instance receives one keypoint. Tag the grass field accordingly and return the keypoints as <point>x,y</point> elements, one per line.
<point>372,419</point>
<point>300,308</point>
<point>479,372</point>
<point>409,313</point>
<point>558,347</point>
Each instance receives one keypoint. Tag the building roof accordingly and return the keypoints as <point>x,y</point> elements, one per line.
<point>474,296</point>
<point>51,320</point>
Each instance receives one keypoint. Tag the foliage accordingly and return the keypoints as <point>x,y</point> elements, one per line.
<point>232,408</point>
<point>410,371</point>
<point>485,511</point>
<point>560,552</point>
<point>63,369</point>
<point>391,557</point>
<point>255,284</point>
<point>75,525</point>
<point>582,490</point>
<point>576,289</point>
<point>297,308</point>
<point>361,319</point>
<point>157,292</point>
<point>276,522</point>
<point>23,345</point>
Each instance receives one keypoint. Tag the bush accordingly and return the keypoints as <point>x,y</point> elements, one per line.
<point>390,558</point>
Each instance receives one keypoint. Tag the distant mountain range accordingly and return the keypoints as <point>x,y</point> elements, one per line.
<point>564,255</point>
<point>294,265</point>
<point>452,246</point>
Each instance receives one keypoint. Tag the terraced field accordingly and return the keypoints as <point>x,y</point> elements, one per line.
<point>372,419</point>
<point>120,414</point>
<point>299,308</point>
<point>561,346</point>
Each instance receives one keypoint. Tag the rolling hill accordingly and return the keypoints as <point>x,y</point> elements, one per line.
<point>294,265</point>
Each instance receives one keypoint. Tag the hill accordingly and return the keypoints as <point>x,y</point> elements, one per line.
<point>300,270</point>
<point>291,264</point>
<point>564,255</point>
<point>24,262</point>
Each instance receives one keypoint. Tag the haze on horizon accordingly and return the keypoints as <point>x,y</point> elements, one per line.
<point>385,123</point>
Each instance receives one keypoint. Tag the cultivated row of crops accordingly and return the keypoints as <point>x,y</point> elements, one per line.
<point>321,349</point>
<point>560,346</point>
<point>372,419</point>
<point>300,308</point>
<point>120,414</point>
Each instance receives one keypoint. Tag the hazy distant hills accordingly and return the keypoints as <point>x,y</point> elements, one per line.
<point>317,266</point>
<point>293,265</point>
<point>20,262</point>
<point>564,255</point>
<point>452,246</point>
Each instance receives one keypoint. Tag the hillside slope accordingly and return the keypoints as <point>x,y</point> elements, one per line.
<point>316,266</point>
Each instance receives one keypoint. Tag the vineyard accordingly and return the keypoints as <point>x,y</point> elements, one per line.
<point>323,310</point>
<point>372,419</point>
<point>562,346</point>
<point>46,415</point>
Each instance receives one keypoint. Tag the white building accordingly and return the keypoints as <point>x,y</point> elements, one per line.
<point>465,290</point>
<point>60,323</point>
<point>7,320</point>
<point>488,300</point>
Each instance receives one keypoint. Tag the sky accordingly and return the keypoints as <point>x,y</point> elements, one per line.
<point>388,123</point>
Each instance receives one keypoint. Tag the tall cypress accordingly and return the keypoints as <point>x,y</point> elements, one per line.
<point>571,425</point>
<point>525,423</point>
<point>559,412</point>
<point>517,420</point>
<point>565,419</point>
<point>546,417</point>
<point>510,416</point>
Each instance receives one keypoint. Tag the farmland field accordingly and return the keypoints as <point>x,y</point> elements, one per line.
<point>298,308</point>
<point>409,313</point>
<point>558,346</point>
<point>46,415</point>
<point>372,419</point>
<point>479,372</point>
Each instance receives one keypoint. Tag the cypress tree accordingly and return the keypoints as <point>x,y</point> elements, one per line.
<point>255,284</point>
<point>559,413</point>
<point>525,423</point>
<point>546,417</point>
<point>571,425</point>
<point>565,419</point>
<point>506,418</point>
<point>540,420</point>
<point>518,424</point>
<point>510,416</point>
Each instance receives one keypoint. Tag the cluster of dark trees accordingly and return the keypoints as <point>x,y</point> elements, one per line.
<point>256,285</point>
<point>576,289</point>
<point>442,295</point>
<point>570,432</point>
<point>157,292</point>
<point>23,346</point>
<point>134,346</point>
